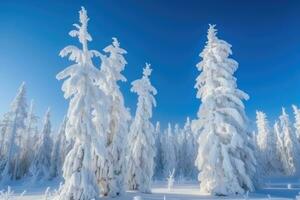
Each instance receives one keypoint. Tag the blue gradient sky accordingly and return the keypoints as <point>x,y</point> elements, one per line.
<point>169,34</point>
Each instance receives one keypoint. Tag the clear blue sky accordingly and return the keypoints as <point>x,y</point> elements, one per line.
<point>169,34</point>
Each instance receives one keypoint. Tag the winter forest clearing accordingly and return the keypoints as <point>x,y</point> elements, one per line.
<point>101,150</point>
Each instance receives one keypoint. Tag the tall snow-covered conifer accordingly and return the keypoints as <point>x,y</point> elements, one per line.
<point>141,137</point>
<point>111,177</point>
<point>225,160</point>
<point>86,101</point>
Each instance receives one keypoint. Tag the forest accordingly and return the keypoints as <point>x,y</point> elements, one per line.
<point>100,150</point>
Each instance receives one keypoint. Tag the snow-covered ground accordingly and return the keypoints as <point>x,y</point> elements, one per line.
<point>276,188</point>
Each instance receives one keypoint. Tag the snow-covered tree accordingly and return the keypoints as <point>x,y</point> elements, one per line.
<point>112,173</point>
<point>178,140</point>
<point>59,151</point>
<point>181,150</point>
<point>40,167</point>
<point>266,143</point>
<point>169,152</point>
<point>14,128</point>
<point>280,148</point>
<point>28,142</point>
<point>225,159</point>
<point>297,121</point>
<point>188,150</point>
<point>141,137</point>
<point>4,125</point>
<point>290,143</point>
<point>158,152</point>
<point>86,102</point>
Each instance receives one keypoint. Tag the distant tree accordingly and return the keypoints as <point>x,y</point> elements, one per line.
<point>59,151</point>
<point>29,142</point>
<point>14,128</point>
<point>4,125</point>
<point>141,137</point>
<point>112,173</point>
<point>181,151</point>
<point>266,142</point>
<point>178,140</point>
<point>225,159</point>
<point>158,152</point>
<point>290,161</point>
<point>297,121</point>
<point>169,152</point>
<point>188,152</point>
<point>280,148</point>
<point>40,167</point>
<point>86,100</point>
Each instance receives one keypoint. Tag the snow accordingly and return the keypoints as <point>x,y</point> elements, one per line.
<point>276,188</point>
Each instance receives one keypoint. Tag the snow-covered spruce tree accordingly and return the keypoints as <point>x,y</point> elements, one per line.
<point>29,142</point>
<point>225,160</point>
<point>178,139</point>
<point>266,143</point>
<point>85,101</point>
<point>290,162</point>
<point>188,152</point>
<point>112,173</point>
<point>4,125</point>
<point>180,151</point>
<point>169,153</point>
<point>40,167</point>
<point>59,151</point>
<point>158,153</point>
<point>11,165</point>
<point>140,163</point>
<point>297,121</point>
<point>280,153</point>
